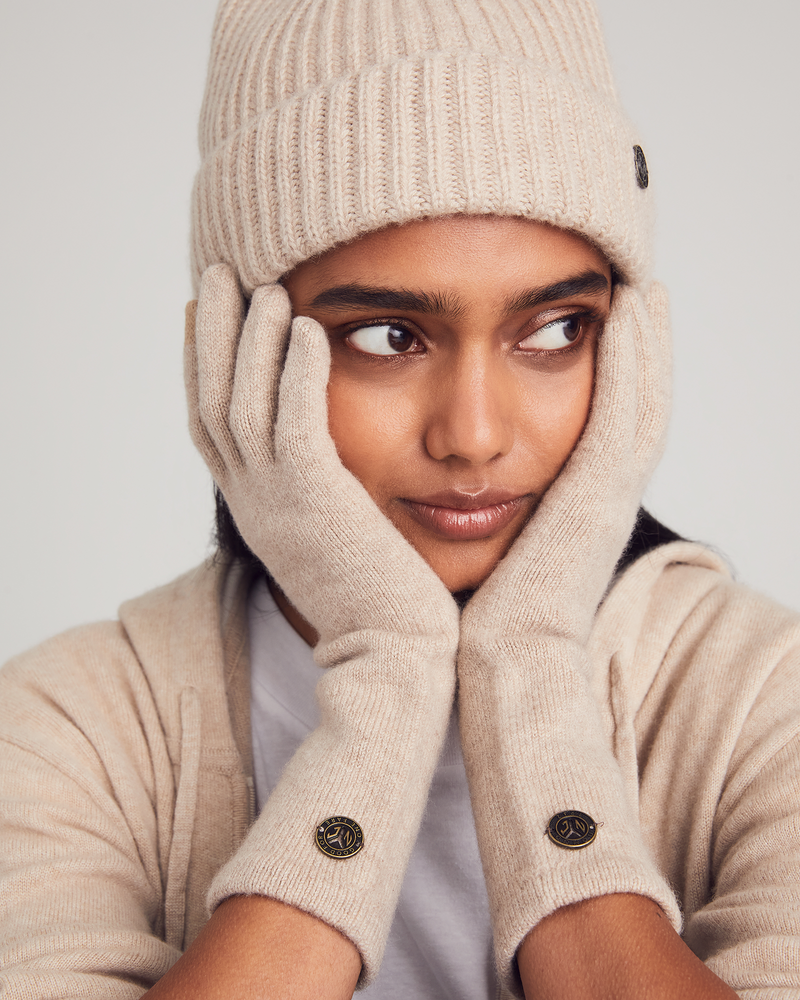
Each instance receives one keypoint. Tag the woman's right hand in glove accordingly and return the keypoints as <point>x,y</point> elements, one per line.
<point>388,627</point>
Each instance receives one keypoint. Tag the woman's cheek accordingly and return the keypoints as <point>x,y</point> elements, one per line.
<point>372,423</point>
<point>554,414</point>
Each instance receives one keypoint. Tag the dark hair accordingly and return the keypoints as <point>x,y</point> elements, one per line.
<point>226,535</point>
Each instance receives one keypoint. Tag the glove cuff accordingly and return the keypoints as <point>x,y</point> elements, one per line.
<point>519,903</point>
<point>553,821</point>
<point>335,836</point>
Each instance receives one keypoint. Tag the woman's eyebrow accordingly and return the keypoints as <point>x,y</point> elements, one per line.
<point>403,299</point>
<point>343,297</point>
<point>590,282</point>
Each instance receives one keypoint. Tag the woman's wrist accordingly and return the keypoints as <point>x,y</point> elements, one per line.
<point>255,946</point>
<point>616,947</point>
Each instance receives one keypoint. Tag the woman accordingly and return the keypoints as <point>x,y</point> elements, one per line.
<point>464,413</point>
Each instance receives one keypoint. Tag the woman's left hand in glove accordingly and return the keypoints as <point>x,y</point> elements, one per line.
<point>537,756</point>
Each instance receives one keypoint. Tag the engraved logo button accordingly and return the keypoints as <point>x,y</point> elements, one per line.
<point>339,837</point>
<point>572,829</point>
<point>642,173</point>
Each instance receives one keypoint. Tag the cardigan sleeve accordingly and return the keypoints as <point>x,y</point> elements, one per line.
<point>748,932</point>
<point>83,775</point>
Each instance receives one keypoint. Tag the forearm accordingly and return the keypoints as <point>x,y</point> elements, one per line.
<point>254,947</point>
<point>618,947</point>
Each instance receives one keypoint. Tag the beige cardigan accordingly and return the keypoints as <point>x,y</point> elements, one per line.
<point>126,776</point>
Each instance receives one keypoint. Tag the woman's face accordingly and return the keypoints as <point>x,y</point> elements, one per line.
<point>462,370</point>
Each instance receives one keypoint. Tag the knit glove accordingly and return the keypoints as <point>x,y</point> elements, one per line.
<point>534,745</point>
<point>388,627</point>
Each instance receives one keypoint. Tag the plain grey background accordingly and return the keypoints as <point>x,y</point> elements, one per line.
<point>103,496</point>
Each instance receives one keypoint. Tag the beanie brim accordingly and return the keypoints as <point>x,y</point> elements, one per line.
<point>436,134</point>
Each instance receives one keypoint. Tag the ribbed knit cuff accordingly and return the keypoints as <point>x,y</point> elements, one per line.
<point>573,876</point>
<point>534,747</point>
<point>432,134</point>
<point>384,717</point>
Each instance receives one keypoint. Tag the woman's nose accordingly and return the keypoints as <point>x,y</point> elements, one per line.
<point>471,414</point>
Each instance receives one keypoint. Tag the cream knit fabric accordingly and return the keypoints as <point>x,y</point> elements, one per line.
<point>387,626</point>
<point>135,737</point>
<point>524,668</point>
<point>326,119</point>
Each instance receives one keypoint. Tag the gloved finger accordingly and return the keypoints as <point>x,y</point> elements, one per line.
<point>576,522</point>
<point>603,480</point>
<point>611,420</point>
<point>653,350</point>
<point>609,432</point>
<point>656,301</point>
<point>259,364</point>
<point>219,321</point>
<point>198,432</point>
<point>301,426</point>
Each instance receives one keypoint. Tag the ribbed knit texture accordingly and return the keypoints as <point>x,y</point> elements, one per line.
<point>324,120</point>
<point>387,626</point>
<point>697,681</point>
<point>531,729</point>
<point>327,119</point>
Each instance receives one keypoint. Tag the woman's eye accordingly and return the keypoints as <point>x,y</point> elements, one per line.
<point>560,333</point>
<point>387,339</point>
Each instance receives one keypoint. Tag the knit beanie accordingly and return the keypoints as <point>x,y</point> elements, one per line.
<point>327,119</point>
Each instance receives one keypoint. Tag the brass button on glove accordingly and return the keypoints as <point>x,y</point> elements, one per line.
<point>388,628</point>
<point>533,740</point>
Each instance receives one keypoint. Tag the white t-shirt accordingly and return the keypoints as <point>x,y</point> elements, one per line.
<point>440,943</point>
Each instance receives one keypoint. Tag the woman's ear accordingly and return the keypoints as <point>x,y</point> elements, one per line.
<point>191,317</point>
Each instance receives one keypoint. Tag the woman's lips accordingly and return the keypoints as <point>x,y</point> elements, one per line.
<point>466,521</point>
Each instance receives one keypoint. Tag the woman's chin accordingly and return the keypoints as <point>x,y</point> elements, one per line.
<point>463,571</point>
<point>462,564</point>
